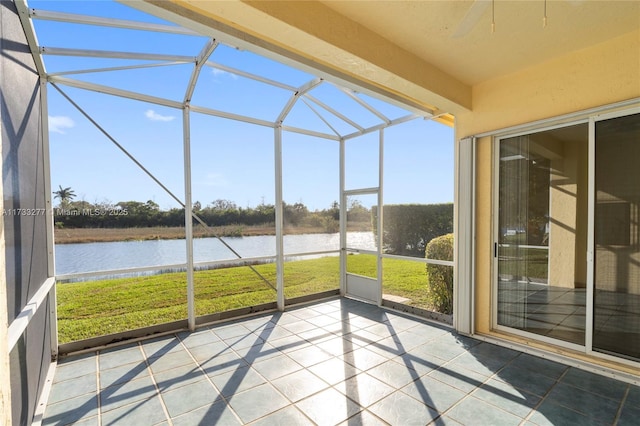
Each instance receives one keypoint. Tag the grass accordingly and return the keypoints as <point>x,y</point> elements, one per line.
<point>529,262</point>
<point>95,308</point>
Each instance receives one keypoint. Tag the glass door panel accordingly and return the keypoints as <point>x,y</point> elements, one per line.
<point>542,230</point>
<point>616,319</point>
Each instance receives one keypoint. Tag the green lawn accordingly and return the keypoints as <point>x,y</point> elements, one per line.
<point>528,262</point>
<point>95,308</point>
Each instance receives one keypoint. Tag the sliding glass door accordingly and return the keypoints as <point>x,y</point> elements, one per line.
<point>542,227</point>
<point>567,235</point>
<point>616,295</point>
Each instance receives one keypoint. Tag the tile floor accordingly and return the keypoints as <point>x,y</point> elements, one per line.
<point>560,312</point>
<point>332,362</point>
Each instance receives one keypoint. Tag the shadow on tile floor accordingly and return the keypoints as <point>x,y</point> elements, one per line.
<point>332,362</point>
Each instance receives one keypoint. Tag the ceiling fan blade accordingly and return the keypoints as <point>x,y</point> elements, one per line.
<point>471,18</point>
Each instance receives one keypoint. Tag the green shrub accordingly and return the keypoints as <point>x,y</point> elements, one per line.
<point>440,287</point>
<point>408,228</point>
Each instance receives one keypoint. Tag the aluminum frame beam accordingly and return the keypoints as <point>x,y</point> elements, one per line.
<point>308,104</point>
<point>343,219</point>
<point>292,101</point>
<point>46,167</point>
<point>334,112</point>
<point>277,148</point>
<point>113,91</point>
<point>73,18</point>
<point>188,216</point>
<point>249,75</point>
<point>381,126</point>
<point>30,34</point>
<point>311,133</point>
<point>115,54</point>
<point>380,221</point>
<point>352,95</point>
<point>206,51</point>
<point>231,116</point>
<point>122,68</point>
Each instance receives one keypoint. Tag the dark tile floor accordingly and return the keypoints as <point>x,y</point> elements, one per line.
<point>333,362</point>
<point>560,313</point>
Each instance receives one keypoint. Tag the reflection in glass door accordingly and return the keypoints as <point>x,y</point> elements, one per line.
<point>542,233</point>
<point>616,317</point>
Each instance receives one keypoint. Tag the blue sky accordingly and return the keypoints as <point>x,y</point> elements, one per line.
<point>230,160</point>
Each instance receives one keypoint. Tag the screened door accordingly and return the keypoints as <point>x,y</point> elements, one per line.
<point>362,266</point>
<point>360,195</point>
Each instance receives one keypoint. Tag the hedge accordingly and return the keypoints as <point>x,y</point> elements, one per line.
<point>408,228</point>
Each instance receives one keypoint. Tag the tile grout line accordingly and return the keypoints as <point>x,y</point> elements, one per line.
<point>98,388</point>
<point>267,381</point>
<point>621,406</point>
<point>155,384</point>
<point>310,341</point>
<point>206,376</point>
<point>330,386</point>
<point>468,394</point>
<point>544,397</point>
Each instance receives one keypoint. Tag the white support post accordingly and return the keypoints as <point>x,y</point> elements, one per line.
<point>49,218</point>
<point>188,219</point>
<point>279,219</point>
<point>591,196</point>
<point>379,225</point>
<point>464,241</point>
<point>343,223</point>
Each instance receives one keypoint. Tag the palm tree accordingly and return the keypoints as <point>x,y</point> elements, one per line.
<point>64,194</point>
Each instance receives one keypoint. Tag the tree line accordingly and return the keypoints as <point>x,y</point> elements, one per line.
<point>408,228</point>
<point>72,213</point>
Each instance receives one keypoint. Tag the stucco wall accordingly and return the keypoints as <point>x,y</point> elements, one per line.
<point>568,210</point>
<point>602,74</point>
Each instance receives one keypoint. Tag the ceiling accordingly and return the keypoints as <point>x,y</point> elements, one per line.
<point>425,54</point>
<point>466,48</point>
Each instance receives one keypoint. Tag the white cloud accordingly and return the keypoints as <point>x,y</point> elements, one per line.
<point>218,72</point>
<point>59,123</point>
<point>154,116</point>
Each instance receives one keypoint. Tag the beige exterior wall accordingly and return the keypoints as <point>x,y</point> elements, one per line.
<point>602,74</point>
<point>568,208</point>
